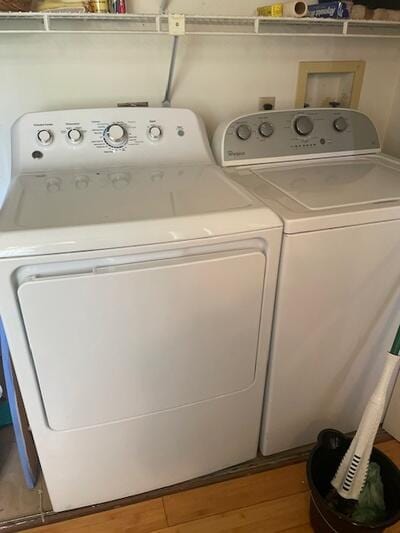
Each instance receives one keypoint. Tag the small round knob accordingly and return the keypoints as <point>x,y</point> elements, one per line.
<point>53,185</point>
<point>155,133</point>
<point>45,137</point>
<point>243,132</point>
<point>303,125</point>
<point>116,135</point>
<point>75,136</point>
<point>82,183</point>
<point>340,124</point>
<point>265,129</point>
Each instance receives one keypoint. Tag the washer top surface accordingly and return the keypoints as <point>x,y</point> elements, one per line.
<point>345,183</point>
<point>77,197</point>
<point>118,195</point>
<point>307,197</point>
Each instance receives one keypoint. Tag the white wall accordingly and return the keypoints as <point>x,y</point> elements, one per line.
<point>219,77</point>
<point>392,138</point>
<point>200,7</point>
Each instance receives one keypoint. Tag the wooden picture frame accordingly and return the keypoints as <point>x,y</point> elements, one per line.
<point>307,68</point>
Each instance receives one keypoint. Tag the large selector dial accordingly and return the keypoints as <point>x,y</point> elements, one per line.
<point>243,131</point>
<point>303,125</point>
<point>116,135</point>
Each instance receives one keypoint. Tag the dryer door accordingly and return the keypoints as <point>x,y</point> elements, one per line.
<point>120,342</point>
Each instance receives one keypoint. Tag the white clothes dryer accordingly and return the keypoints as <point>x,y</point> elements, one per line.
<point>137,288</point>
<point>338,297</point>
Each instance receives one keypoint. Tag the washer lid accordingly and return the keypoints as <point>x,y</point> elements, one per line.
<point>339,184</point>
<point>317,195</point>
<point>54,213</point>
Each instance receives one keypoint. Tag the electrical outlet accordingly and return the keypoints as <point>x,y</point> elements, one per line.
<point>266,103</point>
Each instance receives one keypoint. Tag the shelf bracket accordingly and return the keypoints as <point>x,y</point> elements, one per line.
<point>46,22</point>
<point>176,24</point>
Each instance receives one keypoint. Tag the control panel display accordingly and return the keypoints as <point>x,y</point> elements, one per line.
<point>298,134</point>
<point>92,138</point>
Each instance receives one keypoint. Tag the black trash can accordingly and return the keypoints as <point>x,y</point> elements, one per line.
<point>321,467</point>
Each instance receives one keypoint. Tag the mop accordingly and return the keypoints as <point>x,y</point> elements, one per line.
<point>353,470</point>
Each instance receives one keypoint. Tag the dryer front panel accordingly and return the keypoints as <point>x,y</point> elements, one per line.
<point>118,342</point>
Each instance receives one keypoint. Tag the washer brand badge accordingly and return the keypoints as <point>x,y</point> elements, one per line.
<point>235,154</point>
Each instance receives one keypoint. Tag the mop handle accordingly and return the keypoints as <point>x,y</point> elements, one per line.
<point>395,350</point>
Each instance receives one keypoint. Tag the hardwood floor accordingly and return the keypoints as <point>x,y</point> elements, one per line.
<point>268,502</point>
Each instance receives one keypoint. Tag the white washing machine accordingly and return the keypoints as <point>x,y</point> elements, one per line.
<point>137,288</point>
<point>338,297</point>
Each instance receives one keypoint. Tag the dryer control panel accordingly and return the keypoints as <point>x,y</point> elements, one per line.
<point>275,136</point>
<point>94,138</point>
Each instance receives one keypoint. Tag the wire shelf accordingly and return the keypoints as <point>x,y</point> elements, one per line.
<point>11,22</point>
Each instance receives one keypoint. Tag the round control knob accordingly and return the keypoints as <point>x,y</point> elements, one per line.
<point>116,135</point>
<point>265,129</point>
<point>303,125</point>
<point>53,185</point>
<point>340,124</point>
<point>75,136</point>
<point>155,133</point>
<point>243,132</point>
<point>82,183</point>
<point>45,137</point>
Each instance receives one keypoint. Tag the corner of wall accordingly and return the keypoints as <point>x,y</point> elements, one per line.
<point>391,137</point>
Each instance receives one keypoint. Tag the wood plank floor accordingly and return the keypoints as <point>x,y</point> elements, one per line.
<point>268,502</point>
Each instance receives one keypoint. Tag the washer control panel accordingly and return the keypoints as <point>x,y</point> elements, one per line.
<point>92,138</point>
<point>271,136</point>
